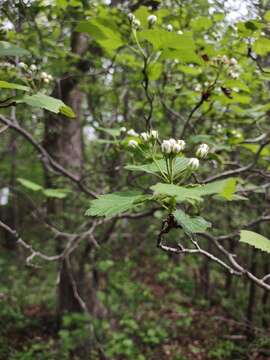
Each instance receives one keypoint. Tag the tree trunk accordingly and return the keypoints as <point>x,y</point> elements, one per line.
<point>63,140</point>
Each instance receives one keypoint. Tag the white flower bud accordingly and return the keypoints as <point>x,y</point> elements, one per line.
<point>46,80</point>
<point>145,136</point>
<point>182,144</point>
<point>33,67</point>
<point>132,132</point>
<point>152,19</point>
<point>233,62</point>
<point>49,76</point>
<point>136,24</point>
<point>225,60</point>
<point>131,17</point>
<point>176,148</point>
<point>22,65</point>
<point>43,75</point>
<point>179,32</point>
<point>172,141</point>
<point>170,27</point>
<point>122,129</point>
<point>154,134</point>
<point>234,75</point>
<point>166,147</point>
<point>193,163</point>
<point>202,151</point>
<point>133,143</point>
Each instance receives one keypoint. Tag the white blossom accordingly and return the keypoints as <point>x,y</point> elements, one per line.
<point>170,27</point>
<point>166,147</point>
<point>180,32</point>
<point>133,143</point>
<point>182,144</point>
<point>233,62</point>
<point>132,132</point>
<point>225,60</point>
<point>172,141</point>
<point>22,65</point>
<point>136,24</point>
<point>145,136</point>
<point>33,67</point>
<point>176,148</point>
<point>233,74</point>
<point>154,134</point>
<point>123,129</point>
<point>131,17</point>
<point>152,19</point>
<point>202,151</point>
<point>193,163</point>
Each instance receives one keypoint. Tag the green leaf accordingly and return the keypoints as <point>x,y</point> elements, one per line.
<point>180,164</point>
<point>254,239</point>
<point>181,193</point>
<point>201,23</point>
<point>195,224</point>
<point>29,184</point>
<point>255,147</point>
<point>154,71</point>
<point>56,193</point>
<point>48,103</point>
<point>7,49</point>
<point>116,203</point>
<point>262,46</point>
<point>236,84</point>
<point>163,39</point>
<point>104,30</point>
<point>183,55</point>
<point>8,85</point>
<point>224,188</point>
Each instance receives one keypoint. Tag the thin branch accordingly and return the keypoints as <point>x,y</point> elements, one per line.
<point>47,160</point>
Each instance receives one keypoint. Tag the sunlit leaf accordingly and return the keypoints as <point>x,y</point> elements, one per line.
<point>256,240</point>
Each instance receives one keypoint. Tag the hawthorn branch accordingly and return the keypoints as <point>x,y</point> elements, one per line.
<point>73,242</point>
<point>47,160</point>
<point>150,99</point>
<point>242,169</point>
<point>233,267</point>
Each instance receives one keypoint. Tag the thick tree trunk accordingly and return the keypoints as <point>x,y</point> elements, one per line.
<point>63,140</point>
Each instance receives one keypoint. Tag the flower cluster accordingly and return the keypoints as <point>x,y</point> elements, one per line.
<point>46,77</point>
<point>231,63</point>
<point>152,134</point>
<point>145,136</point>
<point>32,70</point>
<point>172,146</point>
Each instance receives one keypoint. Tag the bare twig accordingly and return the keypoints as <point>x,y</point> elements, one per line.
<point>47,160</point>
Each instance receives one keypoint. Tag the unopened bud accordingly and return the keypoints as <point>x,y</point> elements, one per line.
<point>166,147</point>
<point>132,132</point>
<point>133,143</point>
<point>152,19</point>
<point>194,163</point>
<point>136,24</point>
<point>202,151</point>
